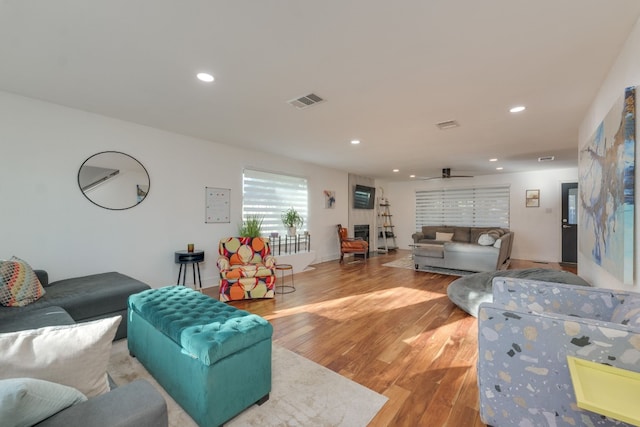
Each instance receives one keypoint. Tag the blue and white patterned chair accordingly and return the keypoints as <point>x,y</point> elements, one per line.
<point>525,336</point>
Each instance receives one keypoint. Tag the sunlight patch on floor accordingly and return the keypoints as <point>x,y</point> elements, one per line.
<point>378,301</point>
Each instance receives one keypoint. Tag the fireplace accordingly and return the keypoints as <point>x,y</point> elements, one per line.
<point>362,231</point>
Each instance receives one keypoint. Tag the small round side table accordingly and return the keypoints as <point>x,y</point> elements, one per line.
<point>184,258</point>
<point>285,289</point>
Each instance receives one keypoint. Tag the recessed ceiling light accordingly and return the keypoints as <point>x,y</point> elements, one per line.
<point>517,109</point>
<point>493,160</point>
<point>499,168</point>
<point>355,141</point>
<point>412,176</point>
<point>205,77</point>
<point>396,170</point>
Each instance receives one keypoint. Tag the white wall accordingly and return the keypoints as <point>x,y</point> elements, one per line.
<point>624,72</point>
<point>48,222</point>
<point>537,230</point>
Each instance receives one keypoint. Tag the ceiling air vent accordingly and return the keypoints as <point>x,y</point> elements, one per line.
<point>546,159</point>
<point>449,124</point>
<point>306,101</point>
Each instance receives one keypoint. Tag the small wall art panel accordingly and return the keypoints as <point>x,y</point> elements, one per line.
<point>607,198</point>
<point>217,205</point>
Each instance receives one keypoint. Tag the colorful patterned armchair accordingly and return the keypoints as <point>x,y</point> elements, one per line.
<point>247,268</point>
<point>525,336</point>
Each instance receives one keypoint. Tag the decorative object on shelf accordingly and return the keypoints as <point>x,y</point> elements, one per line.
<point>251,227</point>
<point>190,247</point>
<point>329,199</point>
<point>113,180</point>
<point>606,172</point>
<point>533,198</point>
<point>292,219</point>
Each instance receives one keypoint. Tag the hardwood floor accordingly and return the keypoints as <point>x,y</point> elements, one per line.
<point>392,330</point>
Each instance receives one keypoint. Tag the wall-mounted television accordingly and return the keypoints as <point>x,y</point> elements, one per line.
<point>364,197</point>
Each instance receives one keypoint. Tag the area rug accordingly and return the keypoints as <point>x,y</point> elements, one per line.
<point>303,394</point>
<point>407,262</point>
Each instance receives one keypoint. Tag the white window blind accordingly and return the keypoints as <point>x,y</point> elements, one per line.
<point>472,207</point>
<point>270,194</point>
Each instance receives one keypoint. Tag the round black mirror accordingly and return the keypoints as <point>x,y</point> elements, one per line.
<point>113,180</point>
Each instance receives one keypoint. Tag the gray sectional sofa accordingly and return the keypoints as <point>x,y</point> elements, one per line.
<point>81,299</point>
<point>462,248</point>
<point>137,404</point>
<point>92,297</point>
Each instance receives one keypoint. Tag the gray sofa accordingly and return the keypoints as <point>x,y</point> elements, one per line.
<point>137,404</point>
<point>81,299</point>
<point>462,248</point>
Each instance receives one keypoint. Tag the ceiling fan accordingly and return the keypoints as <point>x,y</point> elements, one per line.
<point>446,174</point>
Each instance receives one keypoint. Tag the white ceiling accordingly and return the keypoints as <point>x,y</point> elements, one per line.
<point>389,70</point>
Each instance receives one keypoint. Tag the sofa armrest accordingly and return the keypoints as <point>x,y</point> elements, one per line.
<point>43,277</point>
<point>505,245</point>
<point>137,404</point>
<point>539,296</point>
<point>417,236</point>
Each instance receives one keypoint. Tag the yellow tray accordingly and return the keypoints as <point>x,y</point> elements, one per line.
<point>606,390</point>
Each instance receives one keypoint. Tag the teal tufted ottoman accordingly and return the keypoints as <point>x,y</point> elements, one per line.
<point>212,358</point>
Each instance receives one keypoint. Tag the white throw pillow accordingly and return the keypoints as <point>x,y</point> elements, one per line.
<point>27,401</point>
<point>444,237</point>
<point>486,240</point>
<point>498,243</point>
<point>73,355</point>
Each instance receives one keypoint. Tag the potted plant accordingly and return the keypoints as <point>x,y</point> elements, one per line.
<point>292,219</point>
<point>251,227</point>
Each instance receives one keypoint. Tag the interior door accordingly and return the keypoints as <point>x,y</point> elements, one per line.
<point>570,222</point>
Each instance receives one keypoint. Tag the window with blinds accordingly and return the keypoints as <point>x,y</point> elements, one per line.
<point>472,207</point>
<point>270,194</point>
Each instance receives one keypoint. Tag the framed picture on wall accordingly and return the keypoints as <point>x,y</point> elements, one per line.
<point>532,198</point>
<point>329,199</point>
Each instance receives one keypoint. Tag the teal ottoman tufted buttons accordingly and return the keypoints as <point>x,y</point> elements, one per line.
<point>212,358</point>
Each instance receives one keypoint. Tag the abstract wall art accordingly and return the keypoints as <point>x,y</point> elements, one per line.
<point>329,199</point>
<point>607,198</point>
